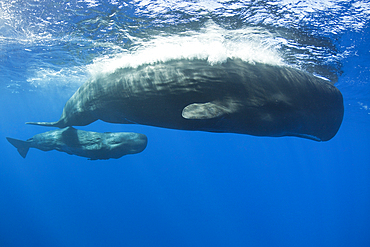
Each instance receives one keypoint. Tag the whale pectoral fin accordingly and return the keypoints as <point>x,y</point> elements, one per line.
<point>202,111</point>
<point>209,110</point>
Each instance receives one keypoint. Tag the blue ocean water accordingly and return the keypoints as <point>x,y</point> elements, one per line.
<point>186,188</point>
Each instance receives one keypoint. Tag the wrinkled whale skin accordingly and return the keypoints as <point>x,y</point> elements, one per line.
<point>234,96</point>
<point>92,145</point>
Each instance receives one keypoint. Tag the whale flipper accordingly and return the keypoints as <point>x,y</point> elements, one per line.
<point>21,146</point>
<point>209,110</point>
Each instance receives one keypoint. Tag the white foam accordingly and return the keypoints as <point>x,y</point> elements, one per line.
<point>211,43</point>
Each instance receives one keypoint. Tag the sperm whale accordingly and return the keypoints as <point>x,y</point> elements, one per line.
<point>93,145</point>
<point>190,94</point>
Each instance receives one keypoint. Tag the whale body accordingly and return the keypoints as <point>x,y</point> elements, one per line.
<point>233,97</point>
<point>92,145</point>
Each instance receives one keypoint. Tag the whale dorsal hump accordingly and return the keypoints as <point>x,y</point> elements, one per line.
<point>209,110</point>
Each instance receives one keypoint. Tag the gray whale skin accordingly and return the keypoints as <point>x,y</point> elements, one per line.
<point>234,97</point>
<point>93,145</point>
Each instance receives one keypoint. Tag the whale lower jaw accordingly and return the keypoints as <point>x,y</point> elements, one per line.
<point>306,136</point>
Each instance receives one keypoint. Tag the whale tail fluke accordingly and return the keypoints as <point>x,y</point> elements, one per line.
<point>21,146</point>
<point>49,124</point>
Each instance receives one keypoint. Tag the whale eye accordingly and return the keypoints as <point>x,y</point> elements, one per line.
<point>281,100</point>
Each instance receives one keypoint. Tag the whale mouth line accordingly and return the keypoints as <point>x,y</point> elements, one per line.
<point>306,136</point>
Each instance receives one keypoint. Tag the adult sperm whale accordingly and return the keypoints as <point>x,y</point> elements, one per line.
<point>92,145</point>
<point>234,96</point>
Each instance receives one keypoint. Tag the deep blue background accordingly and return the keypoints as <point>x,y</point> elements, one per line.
<point>189,188</point>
